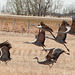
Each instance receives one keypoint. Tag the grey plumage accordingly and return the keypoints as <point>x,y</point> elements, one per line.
<point>45,62</point>
<point>62,34</point>
<point>4,51</point>
<point>54,53</point>
<point>67,31</point>
<point>40,39</point>
<point>5,43</point>
<point>44,27</point>
<point>52,56</point>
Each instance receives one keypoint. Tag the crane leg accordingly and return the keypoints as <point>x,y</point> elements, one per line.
<point>52,34</point>
<point>44,49</point>
<point>66,47</point>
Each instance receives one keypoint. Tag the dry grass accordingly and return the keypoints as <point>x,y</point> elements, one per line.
<point>22,55</point>
<point>21,24</point>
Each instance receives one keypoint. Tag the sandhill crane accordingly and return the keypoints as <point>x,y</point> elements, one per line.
<point>52,56</point>
<point>64,28</point>
<point>62,34</point>
<point>4,51</point>
<point>44,27</point>
<point>5,43</point>
<point>45,62</point>
<point>54,53</point>
<point>40,39</point>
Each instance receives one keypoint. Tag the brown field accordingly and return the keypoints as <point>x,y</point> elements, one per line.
<point>20,23</point>
<point>22,55</point>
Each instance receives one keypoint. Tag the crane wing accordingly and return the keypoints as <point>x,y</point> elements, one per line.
<point>41,37</point>
<point>68,29</point>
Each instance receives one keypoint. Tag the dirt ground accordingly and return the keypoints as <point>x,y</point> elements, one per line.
<point>22,62</point>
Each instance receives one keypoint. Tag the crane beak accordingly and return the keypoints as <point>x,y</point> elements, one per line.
<point>35,58</point>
